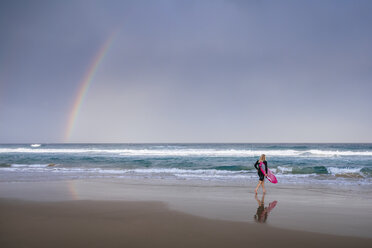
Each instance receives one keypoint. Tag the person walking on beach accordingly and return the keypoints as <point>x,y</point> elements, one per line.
<point>258,165</point>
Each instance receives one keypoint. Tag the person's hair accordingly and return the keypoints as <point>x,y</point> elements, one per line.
<point>263,157</point>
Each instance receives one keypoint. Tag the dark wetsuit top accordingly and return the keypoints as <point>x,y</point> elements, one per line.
<point>260,174</point>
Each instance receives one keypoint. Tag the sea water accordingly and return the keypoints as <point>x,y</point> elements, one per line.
<point>291,163</point>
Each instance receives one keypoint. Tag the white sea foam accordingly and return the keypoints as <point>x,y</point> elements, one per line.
<point>340,171</point>
<point>340,153</point>
<point>148,171</point>
<point>183,171</point>
<point>214,176</point>
<point>29,150</point>
<point>283,169</point>
<point>193,152</point>
<point>35,145</point>
<point>35,172</point>
<point>29,165</point>
<point>191,174</point>
<point>162,172</point>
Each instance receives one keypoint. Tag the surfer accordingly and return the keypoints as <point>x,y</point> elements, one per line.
<point>261,175</point>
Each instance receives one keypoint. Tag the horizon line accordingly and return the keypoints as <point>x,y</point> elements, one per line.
<point>77,143</point>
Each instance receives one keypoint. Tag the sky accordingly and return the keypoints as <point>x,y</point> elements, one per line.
<point>185,71</point>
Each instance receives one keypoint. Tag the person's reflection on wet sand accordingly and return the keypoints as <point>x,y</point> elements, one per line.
<point>262,211</point>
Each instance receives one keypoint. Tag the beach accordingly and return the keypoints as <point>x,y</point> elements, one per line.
<point>184,195</point>
<point>150,212</point>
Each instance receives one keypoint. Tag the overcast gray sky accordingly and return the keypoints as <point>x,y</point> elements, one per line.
<point>187,71</point>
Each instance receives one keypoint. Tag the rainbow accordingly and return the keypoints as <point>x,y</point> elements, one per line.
<point>72,190</point>
<point>85,83</point>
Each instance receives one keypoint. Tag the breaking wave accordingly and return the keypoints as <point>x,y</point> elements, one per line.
<point>193,152</point>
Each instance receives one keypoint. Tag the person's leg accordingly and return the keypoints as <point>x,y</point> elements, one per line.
<point>263,186</point>
<point>258,201</point>
<point>258,185</point>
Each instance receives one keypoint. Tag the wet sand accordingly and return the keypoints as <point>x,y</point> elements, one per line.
<point>144,213</point>
<point>85,223</point>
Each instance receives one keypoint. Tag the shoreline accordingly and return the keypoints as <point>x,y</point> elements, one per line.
<point>306,208</point>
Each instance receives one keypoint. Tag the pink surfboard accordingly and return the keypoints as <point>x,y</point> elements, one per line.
<point>270,176</point>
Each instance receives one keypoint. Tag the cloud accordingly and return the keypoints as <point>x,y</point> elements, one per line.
<point>188,71</point>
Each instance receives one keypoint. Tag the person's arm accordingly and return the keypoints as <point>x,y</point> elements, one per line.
<point>256,165</point>
<point>265,162</point>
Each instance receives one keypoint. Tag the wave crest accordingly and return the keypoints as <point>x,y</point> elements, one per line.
<point>193,152</point>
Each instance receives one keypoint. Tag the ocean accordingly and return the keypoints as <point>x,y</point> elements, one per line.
<point>338,164</point>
